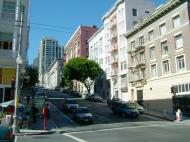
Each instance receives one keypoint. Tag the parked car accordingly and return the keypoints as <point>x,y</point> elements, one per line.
<point>76,94</point>
<point>110,101</point>
<point>82,114</point>
<point>70,104</point>
<point>125,109</point>
<point>6,134</point>
<point>139,107</point>
<point>93,98</point>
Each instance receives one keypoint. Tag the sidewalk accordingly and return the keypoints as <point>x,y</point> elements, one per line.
<point>57,121</point>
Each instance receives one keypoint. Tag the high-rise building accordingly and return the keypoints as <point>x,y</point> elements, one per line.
<point>7,53</point>
<point>49,51</point>
<point>35,63</point>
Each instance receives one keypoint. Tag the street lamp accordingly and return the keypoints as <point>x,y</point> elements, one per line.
<point>17,45</point>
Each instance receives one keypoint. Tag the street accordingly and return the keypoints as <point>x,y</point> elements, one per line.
<point>102,113</point>
<point>130,132</point>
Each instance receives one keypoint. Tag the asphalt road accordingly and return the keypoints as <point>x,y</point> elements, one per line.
<point>100,110</point>
<point>157,131</point>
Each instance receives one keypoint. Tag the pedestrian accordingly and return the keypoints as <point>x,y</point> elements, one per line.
<point>34,111</point>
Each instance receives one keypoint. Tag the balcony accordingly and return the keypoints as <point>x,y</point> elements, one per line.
<point>124,89</point>
<point>114,48</point>
<point>114,37</point>
<point>114,72</point>
<point>132,67</point>
<point>132,51</point>
<point>114,61</point>
<point>141,64</point>
<point>139,48</point>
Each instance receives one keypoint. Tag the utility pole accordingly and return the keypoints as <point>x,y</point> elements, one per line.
<point>17,49</point>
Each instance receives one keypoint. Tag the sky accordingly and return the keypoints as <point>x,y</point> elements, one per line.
<point>60,18</point>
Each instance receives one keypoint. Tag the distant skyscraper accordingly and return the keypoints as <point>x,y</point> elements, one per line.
<point>36,63</point>
<point>49,51</point>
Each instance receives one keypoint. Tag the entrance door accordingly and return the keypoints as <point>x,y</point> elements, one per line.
<point>140,96</point>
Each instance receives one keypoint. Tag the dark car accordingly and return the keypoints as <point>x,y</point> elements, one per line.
<point>125,109</point>
<point>6,134</point>
<point>93,98</point>
<point>82,114</point>
<point>110,101</point>
<point>70,104</point>
<point>76,94</point>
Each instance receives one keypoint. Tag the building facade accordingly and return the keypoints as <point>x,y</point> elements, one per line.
<point>49,51</point>
<point>117,21</point>
<point>7,53</point>
<point>96,53</point>
<point>158,56</point>
<point>35,63</point>
<point>53,76</point>
<point>77,46</point>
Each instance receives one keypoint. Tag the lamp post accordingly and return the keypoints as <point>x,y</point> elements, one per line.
<point>17,47</point>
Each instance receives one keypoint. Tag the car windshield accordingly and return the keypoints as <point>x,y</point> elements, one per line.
<point>71,101</point>
<point>131,106</point>
<point>83,110</point>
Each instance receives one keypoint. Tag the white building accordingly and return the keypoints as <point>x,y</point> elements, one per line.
<point>117,21</point>
<point>49,51</point>
<point>7,53</point>
<point>53,77</point>
<point>97,53</point>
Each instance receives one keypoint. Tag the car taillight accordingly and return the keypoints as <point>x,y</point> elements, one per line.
<point>9,135</point>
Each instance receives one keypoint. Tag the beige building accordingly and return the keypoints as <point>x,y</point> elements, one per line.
<point>158,54</point>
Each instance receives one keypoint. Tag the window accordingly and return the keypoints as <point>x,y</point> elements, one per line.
<point>153,70</point>
<point>180,62</point>
<point>141,40</point>
<point>134,12</point>
<point>164,47</point>
<point>162,29</point>
<point>123,65</point>
<point>142,57</point>
<point>176,21</point>
<point>166,67</point>
<point>8,10</point>
<point>123,82</point>
<point>178,41</point>
<point>152,52</point>
<point>6,41</point>
<point>150,35</point>
<point>143,73</point>
<point>132,45</point>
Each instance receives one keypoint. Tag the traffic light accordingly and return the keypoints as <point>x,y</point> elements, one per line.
<point>172,89</point>
<point>13,82</point>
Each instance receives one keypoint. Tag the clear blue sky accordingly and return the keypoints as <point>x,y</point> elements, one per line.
<point>64,16</point>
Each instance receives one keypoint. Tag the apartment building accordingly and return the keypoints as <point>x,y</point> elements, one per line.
<point>49,51</point>
<point>158,53</point>
<point>7,53</point>
<point>117,21</point>
<point>77,46</point>
<point>96,53</point>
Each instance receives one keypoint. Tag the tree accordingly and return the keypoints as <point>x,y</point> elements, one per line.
<point>33,73</point>
<point>82,70</point>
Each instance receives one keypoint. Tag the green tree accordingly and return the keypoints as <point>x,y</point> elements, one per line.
<point>33,73</point>
<point>82,70</point>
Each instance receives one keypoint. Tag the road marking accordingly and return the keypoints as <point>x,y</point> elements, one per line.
<point>74,138</point>
<point>122,128</point>
<point>15,140</point>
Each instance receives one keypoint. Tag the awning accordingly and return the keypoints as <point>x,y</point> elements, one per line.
<point>10,103</point>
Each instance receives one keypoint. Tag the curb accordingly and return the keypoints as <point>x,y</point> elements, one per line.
<point>35,133</point>
<point>161,117</point>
